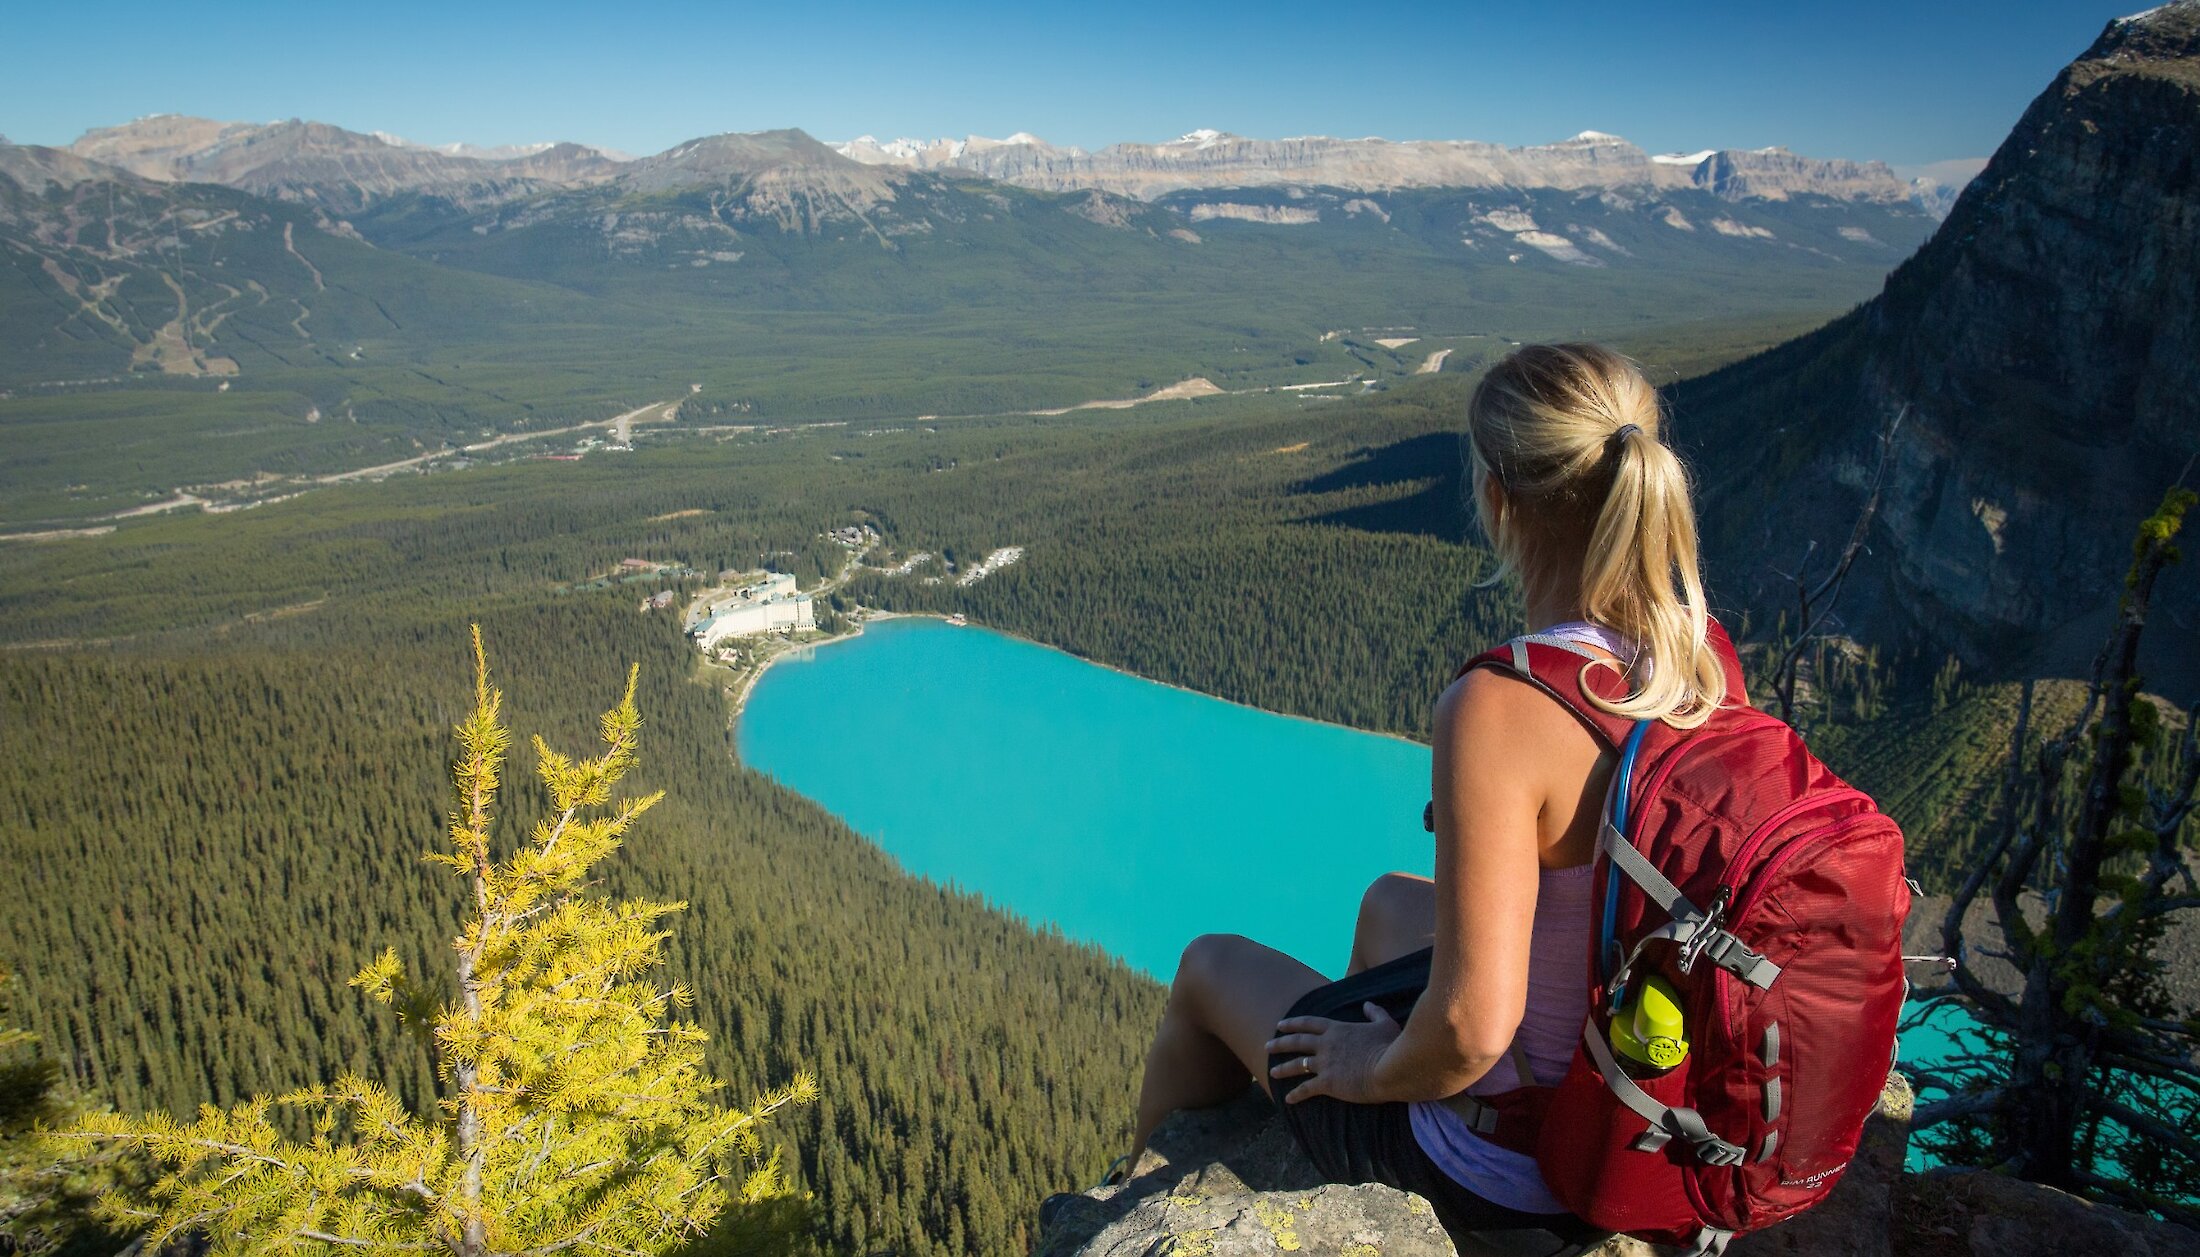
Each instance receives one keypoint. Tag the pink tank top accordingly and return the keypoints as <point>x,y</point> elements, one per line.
<point>1550,1026</point>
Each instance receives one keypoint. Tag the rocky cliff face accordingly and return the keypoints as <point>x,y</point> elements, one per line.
<point>1213,159</point>
<point>2044,348</point>
<point>1776,174</point>
<point>1229,1182</point>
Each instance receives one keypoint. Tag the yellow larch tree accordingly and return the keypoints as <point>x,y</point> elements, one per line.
<point>575,1115</point>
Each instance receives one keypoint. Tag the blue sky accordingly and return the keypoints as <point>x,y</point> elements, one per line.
<point>1908,82</point>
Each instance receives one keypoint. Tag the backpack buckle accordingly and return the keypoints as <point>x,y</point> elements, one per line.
<point>1705,937</point>
<point>1738,958</point>
<point>1704,930</point>
<point>1713,1150</point>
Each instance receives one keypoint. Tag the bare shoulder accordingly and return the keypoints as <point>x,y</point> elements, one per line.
<point>1494,715</point>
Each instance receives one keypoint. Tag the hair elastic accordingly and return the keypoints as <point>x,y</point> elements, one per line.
<point>1626,431</point>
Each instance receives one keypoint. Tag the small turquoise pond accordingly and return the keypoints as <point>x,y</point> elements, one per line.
<point>1128,813</point>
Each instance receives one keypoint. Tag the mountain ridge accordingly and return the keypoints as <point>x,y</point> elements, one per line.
<point>340,170</point>
<point>344,171</point>
<point>1206,158</point>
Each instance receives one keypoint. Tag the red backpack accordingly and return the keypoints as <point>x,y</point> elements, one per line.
<point>1770,894</point>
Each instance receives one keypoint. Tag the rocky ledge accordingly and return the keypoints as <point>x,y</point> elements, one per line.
<point>1229,1181</point>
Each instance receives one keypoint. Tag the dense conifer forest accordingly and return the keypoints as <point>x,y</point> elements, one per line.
<point>227,739</point>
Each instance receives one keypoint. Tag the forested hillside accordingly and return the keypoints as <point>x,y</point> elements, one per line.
<point>167,337</point>
<point>219,838</point>
<point>228,736</point>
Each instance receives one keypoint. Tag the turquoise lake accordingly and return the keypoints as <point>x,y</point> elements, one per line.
<point>1130,814</point>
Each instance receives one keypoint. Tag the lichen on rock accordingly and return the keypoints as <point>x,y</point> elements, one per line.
<point>1231,1182</point>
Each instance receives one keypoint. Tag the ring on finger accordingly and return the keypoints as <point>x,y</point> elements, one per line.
<point>1306,1065</point>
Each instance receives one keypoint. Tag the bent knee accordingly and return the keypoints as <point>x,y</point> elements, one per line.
<point>1205,958</point>
<point>1395,894</point>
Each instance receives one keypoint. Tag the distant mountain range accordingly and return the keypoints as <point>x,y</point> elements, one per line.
<point>340,170</point>
<point>333,299</point>
<point>1214,159</point>
<point>345,171</point>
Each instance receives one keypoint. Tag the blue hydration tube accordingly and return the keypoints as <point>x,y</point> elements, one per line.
<point>1622,783</point>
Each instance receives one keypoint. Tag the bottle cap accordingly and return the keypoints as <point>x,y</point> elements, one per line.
<point>1652,1031</point>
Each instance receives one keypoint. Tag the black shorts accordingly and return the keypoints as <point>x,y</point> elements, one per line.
<point>1374,1143</point>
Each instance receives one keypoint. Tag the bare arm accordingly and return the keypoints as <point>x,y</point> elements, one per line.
<point>1488,801</point>
<point>1496,747</point>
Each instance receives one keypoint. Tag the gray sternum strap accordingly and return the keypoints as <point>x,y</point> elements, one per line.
<point>1664,1120</point>
<point>1692,928</point>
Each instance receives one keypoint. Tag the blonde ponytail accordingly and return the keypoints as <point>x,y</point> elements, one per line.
<point>1591,498</point>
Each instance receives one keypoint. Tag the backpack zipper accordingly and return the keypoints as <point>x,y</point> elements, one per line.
<point>1763,833</point>
<point>1825,835</point>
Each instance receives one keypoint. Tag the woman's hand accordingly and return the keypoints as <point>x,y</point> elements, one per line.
<point>1336,1058</point>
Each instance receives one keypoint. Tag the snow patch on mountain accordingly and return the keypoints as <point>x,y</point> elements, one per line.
<point>1507,220</point>
<point>1558,247</point>
<point>480,152</point>
<point>1743,231</point>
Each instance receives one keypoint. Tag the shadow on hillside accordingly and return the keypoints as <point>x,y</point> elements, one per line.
<point>1416,486</point>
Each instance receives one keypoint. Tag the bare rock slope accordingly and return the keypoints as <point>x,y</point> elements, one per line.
<point>1229,1182</point>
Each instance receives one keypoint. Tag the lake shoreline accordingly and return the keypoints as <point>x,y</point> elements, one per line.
<point>740,701</point>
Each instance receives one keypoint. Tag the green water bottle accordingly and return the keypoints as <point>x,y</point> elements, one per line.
<point>1650,1035</point>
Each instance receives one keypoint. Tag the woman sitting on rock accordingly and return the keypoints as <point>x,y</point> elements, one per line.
<point>1590,512</point>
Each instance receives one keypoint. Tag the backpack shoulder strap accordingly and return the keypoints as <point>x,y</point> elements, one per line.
<point>1564,670</point>
<point>1569,672</point>
<point>1736,684</point>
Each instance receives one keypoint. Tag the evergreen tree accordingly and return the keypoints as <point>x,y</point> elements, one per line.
<point>46,1201</point>
<point>2089,1082</point>
<point>574,1114</point>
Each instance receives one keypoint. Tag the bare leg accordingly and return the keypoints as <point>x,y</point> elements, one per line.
<point>1223,1008</point>
<point>1397,917</point>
